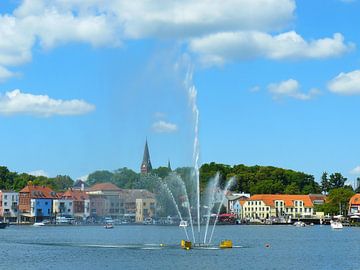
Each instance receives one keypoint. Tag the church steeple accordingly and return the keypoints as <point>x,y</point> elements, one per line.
<point>146,163</point>
<point>169,166</point>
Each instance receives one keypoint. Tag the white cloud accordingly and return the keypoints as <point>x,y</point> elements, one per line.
<point>223,47</point>
<point>16,102</point>
<point>5,74</point>
<point>83,178</point>
<point>346,83</point>
<point>356,170</point>
<point>163,18</point>
<point>219,31</point>
<point>255,88</point>
<point>164,127</point>
<point>39,173</point>
<point>290,88</point>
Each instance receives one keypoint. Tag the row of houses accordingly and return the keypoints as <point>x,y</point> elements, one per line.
<point>266,206</point>
<point>36,203</point>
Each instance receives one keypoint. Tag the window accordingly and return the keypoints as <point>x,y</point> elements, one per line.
<point>276,203</point>
<point>46,203</point>
<point>5,203</point>
<point>5,197</point>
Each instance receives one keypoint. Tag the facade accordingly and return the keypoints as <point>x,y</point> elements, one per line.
<point>35,202</point>
<point>128,199</point>
<point>265,206</point>
<point>233,205</point>
<point>63,207</point>
<point>354,205</point>
<point>146,166</point>
<point>145,208</point>
<point>9,201</point>
<point>80,203</point>
<point>105,201</point>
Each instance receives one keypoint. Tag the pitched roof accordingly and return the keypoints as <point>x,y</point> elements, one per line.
<point>355,199</point>
<point>269,199</point>
<point>76,195</point>
<point>39,192</point>
<point>133,194</point>
<point>104,187</point>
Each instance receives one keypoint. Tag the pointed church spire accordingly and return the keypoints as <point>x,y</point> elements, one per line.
<point>169,166</point>
<point>146,163</point>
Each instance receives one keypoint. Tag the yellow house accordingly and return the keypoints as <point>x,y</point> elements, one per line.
<point>145,209</point>
<point>264,206</point>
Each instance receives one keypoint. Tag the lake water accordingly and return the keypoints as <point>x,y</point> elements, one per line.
<point>93,247</point>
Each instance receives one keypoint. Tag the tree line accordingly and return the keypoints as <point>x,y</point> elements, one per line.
<point>17,181</point>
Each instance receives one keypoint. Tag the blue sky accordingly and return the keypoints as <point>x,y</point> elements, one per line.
<point>82,85</point>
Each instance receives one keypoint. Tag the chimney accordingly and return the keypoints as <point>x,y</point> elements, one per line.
<point>82,186</point>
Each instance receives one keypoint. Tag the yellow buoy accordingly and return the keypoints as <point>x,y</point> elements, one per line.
<point>185,244</point>
<point>226,244</point>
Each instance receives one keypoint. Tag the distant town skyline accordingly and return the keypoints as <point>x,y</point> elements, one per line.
<point>83,84</point>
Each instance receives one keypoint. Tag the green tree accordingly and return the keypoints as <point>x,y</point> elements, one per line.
<point>338,201</point>
<point>100,177</point>
<point>325,184</point>
<point>336,181</point>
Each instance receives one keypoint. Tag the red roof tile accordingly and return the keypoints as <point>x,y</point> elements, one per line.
<point>355,199</point>
<point>104,187</point>
<point>39,192</point>
<point>269,199</point>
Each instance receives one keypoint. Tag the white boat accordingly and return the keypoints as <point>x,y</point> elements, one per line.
<point>108,226</point>
<point>183,224</point>
<point>39,224</point>
<point>336,224</point>
<point>299,224</point>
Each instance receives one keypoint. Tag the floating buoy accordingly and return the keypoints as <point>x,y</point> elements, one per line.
<point>267,245</point>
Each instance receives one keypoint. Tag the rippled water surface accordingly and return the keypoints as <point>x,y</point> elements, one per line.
<point>156,247</point>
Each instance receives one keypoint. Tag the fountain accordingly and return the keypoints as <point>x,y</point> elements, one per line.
<point>210,194</point>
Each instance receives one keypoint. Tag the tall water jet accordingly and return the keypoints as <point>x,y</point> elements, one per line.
<point>196,148</point>
<point>210,201</point>
<point>227,187</point>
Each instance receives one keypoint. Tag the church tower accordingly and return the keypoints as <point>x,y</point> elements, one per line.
<point>146,163</point>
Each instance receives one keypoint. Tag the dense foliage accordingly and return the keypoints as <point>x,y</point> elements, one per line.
<point>337,201</point>
<point>261,179</point>
<point>15,181</point>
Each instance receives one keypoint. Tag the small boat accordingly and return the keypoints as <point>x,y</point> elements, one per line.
<point>39,224</point>
<point>3,225</point>
<point>108,226</point>
<point>299,224</point>
<point>183,224</point>
<point>336,224</point>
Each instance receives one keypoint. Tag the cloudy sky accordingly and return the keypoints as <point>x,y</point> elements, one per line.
<point>84,83</point>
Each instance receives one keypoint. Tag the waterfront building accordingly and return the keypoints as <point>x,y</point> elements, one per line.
<point>354,205</point>
<point>234,202</point>
<point>128,199</point>
<point>145,209</point>
<point>80,203</point>
<point>35,202</point>
<point>264,206</point>
<point>9,201</point>
<point>146,166</point>
<point>105,201</point>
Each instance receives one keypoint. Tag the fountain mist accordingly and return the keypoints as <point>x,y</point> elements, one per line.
<point>227,187</point>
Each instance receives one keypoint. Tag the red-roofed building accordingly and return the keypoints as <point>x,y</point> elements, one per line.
<point>35,202</point>
<point>264,206</point>
<point>72,204</point>
<point>354,205</point>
